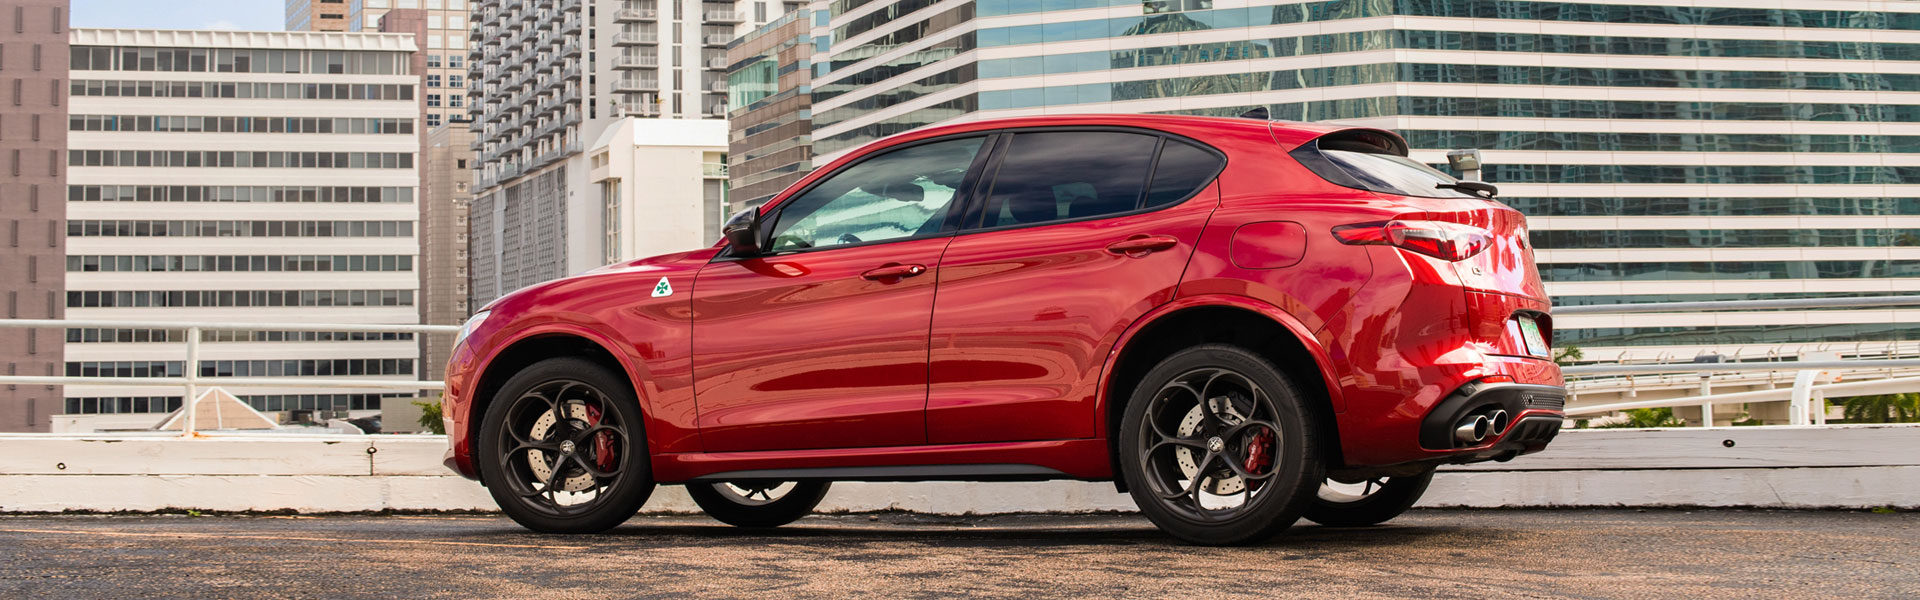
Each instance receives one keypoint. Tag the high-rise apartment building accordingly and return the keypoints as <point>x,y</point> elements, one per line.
<point>33,141</point>
<point>1665,151</point>
<point>546,80</point>
<point>240,176</point>
<point>770,95</point>
<point>445,48</point>
<point>317,15</point>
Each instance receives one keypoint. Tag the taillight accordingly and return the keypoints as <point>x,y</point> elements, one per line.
<point>1438,239</point>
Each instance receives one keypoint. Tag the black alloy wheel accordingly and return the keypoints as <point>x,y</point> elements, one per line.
<point>563,448</point>
<point>757,503</point>
<point>1217,445</point>
<point>1366,501</point>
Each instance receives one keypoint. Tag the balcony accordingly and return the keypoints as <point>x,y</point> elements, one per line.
<point>713,170</point>
<point>636,85</point>
<point>717,86</point>
<point>717,111</point>
<point>635,62</point>
<point>571,48</point>
<point>570,27</point>
<point>726,16</point>
<point>717,39</point>
<point>638,109</point>
<point>635,39</point>
<point>718,62</point>
<point>635,15</point>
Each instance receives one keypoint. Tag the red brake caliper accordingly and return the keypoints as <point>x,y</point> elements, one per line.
<point>604,454</point>
<point>1259,454</point>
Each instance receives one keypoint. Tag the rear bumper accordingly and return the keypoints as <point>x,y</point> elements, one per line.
<point>1536,411</point>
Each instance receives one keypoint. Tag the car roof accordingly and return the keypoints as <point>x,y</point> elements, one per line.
<point>1287,133</point>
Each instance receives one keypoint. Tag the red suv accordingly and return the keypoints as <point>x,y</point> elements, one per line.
<point>1240,322</point>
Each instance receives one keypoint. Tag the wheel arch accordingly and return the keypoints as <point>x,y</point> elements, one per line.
<point>534,345</point>
<point>1246,322</point>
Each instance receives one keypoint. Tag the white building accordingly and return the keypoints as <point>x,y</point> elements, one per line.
<point>662,185</point>
<point>240,176</point>
<point>548,78</point>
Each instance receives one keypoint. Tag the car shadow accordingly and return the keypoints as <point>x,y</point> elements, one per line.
<point>810,533</point>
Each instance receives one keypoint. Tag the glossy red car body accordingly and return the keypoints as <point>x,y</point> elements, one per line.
<point>1014,350</point>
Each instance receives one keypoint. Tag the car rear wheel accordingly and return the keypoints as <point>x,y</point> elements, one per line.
<point>563,448</point>
<point>1363,502</point>
<point>758,504</point>
<point>1217,447</point>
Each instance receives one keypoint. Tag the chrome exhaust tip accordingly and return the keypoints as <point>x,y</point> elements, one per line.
<point>1472,429</point>
<point>1498,421</point>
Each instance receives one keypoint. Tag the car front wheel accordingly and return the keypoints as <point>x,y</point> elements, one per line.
<point>1369,501</point>
<point>757,504</point>
<point>1218,448</point>
<point>563,448</point>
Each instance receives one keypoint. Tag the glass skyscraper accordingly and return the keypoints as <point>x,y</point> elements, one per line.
<point>1670,151</point>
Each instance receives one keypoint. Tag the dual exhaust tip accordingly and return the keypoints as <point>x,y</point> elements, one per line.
<point>1477,427</point>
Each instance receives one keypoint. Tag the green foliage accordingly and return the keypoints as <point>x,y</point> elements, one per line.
<point>430,416</point>
<point>1883,408</point>
<point>1568,355</point>
<point>1884,510</point>
<point>1643,418</point>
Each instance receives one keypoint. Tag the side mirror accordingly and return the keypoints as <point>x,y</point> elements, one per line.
<point>743,232</point>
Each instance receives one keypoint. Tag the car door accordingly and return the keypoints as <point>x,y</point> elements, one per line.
<point>821,340</point>
<point>1081,233</point>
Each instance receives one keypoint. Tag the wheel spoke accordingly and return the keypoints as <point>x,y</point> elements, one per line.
<point>592,469</point>
<point>1193,485</point>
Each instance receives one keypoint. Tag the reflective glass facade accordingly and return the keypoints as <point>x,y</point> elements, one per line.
<point>1609,135</point>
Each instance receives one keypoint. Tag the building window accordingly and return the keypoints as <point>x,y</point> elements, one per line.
<point>433,119</point>
<point>456,81</point>
<point>433,100</point>
<point>433,61</point>
<point>433,81</point>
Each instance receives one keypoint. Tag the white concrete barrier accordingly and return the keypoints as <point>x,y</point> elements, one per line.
<point>1797,467</point>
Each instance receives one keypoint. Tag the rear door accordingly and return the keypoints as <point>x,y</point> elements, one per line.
<point>1077,237</point>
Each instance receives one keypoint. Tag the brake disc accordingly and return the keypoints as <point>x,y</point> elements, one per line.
<point>576,479</point>
<point>1220,481</point>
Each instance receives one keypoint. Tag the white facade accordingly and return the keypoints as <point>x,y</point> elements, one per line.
<point>272,243</point>
<point>446,51</point>
<point>660,184</point>
<point>547,79</point>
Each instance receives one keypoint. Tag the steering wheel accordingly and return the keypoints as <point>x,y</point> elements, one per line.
<point>848,238</point>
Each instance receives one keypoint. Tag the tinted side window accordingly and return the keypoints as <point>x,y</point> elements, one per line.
<point>1054,175</point>
<point>1394,174</point>
<point>900,194</point>
<point>1182,170</point>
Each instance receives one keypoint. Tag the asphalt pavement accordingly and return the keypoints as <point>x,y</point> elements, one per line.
<point>1425,554</point>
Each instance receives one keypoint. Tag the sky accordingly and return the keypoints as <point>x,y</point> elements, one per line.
<point>263,15</point>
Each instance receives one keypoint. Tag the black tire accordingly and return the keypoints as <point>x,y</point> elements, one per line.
<point>728,505</point>
<point>1274,491</point>
<point>595,405</point>
<point>1380,501</point>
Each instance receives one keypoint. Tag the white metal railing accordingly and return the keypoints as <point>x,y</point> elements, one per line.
<point>1806,401</point>
<point>191,381</point>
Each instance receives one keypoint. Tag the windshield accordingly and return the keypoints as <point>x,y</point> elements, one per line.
<point>1394,174</point>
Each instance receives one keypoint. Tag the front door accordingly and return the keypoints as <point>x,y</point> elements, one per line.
<point>1081,234</point>
<point>821,341</point>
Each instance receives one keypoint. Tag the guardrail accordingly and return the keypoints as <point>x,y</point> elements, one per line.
<point>192,380</point>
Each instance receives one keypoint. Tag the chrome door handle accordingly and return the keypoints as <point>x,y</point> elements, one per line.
<point>1141,245</point>
<point>894,272</point>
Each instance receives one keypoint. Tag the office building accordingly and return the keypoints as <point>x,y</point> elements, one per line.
<point>1664,151</point>
<point>317,15</point>
<point>240,176</point>
<point>33,140</point>
<point>769,96</point>
<point>549,78</point>
<point>444,198</point>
